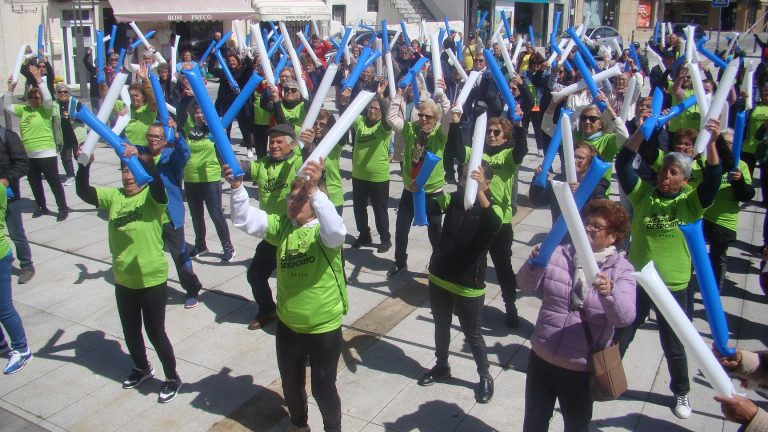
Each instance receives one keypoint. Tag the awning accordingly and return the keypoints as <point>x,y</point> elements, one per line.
<point>286,10</point>
<point>182,10</point>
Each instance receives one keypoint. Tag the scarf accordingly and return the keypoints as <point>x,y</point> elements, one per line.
<point>199,132</point>
<point>580,288</point>
<point>419,147</point>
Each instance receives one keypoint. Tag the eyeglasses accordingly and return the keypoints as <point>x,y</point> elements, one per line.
<point>291,90</point>
<point>591,119</point>
<point>155,137</point>
<point>581,158</point>
<point>63,92</point>
<point>374,109</point>
<point>34,97</point>
<point>479,60</point>
<point>594,227</point>
<point>494,132</point>
<point>422,115</point>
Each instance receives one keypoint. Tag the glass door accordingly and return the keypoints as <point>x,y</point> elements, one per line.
<point>74,23</point>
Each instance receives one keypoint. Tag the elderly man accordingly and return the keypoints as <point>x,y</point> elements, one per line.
<point>273,175</point>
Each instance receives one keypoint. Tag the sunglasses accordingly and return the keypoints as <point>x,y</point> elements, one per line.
<point>63,92</point>
<point>291,90</point>
<point>425,116</point>
<point>480,60</point>
<point>494,132</point>
<point>591,119</point>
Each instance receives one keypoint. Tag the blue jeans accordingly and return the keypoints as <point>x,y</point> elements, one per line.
<point>16,232</point>
<point>8,315</point>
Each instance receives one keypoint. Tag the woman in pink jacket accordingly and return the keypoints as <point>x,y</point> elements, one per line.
<point>557,368</point>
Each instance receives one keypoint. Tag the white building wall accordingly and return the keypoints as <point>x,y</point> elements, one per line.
<point>357,10</point>
<point>18,25</point>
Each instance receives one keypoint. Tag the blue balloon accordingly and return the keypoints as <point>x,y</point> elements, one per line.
<point>635,58</point>
<point>554,144</point>
<point>147,36</point>
<point>227,72</point>
<point>656,30</point>
<point>241,99</point>
<point>354,75</point>
<point>694,236</point>
<point>531,38</point>
<point>207,51</point>
<point>384,36</point>
<point>162,109</point>
<point>583,192</point>
<point>709,54</point>
<point>40,43</point>
<point>559,52</point>
<point>406,39</point>
<point>582,48</point>
<point>121,59</point>
<point>278,43</point>
<point>112,38</point>
<point>414,70</point>
<point>344,39</point>
<point>555,28</point>
<point>371,58</point>
<point>86,116</point>
<point>649,124</point>
<point>501,83</point>
<point>482,19</point>
<point>420,208</point>
<point>586,75</point>
<point>738,137</point>
<point>100,62</point>
<point>507,27</point>
<point>9,193</point>
<point>675,111</point>
<point>218,133</point>
<point>459,51</point>
<point>427,166</point>
<point>223,40</point>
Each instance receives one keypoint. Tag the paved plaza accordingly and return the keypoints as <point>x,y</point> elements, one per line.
<point>231,380</point>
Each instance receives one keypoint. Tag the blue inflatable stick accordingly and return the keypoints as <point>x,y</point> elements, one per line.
<point>100,62</point>
<point>354,75</point>
<point>112,38</point>
<point>223,40</point>
<point>427,166</point>
<point>406,39</point>
<point>372,58</point>
<point>121,59</point>
<point>147,36</point>
<point>709,54</point>
<point>738,137</point>
<point>582,48</point>
<point>415,91</point>
<point>225,69</point>
<point>481,21</point>
<point>675,111</point>
<point>555,28</point>
<point>694,236</point>
<point>635,58</point>
<point>583,192</point>
<point>420,208</point>
<point>207,52</point>
<point>40,43</point>
<point>280,66</point>
<point>501,83</point>
<point>649,124</point>
<point>656,30</point>
<point>448,25</point>
<point>459,51</point>
<point>134,165</point>
<point>241,99</point>
<point>414,70</point>
<point>531,38</point>
<point>419,198</point>
<point>559,52</point>
<point>218,133</point>
<point>586,75</point>
<point>554,144</point>
<point>507,27</point>
<point>344,40</point>
<point>274,47</point>
<point>162,109</point>
<point>384,36</point>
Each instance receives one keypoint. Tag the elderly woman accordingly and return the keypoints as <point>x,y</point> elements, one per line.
<point>311,292</point>
<point>658,210</point>
<point>428,134</point>
<point>241,70</point>
<point>558,366</point>
<point>36,124</point>
<point>143,109</point>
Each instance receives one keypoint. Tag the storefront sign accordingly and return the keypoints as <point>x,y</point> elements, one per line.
<point>720,3</point>
<point>644,9</point>
<point>190,17</point>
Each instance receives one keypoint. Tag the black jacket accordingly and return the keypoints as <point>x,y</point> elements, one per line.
<point>13,159</point>
<point>460,255</point>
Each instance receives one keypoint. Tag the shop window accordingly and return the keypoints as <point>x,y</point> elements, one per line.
<point>373,5</point>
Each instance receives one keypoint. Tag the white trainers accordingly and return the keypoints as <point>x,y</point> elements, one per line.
<point>250,154</point>
<point>69,181</point>
<point>682,408</point>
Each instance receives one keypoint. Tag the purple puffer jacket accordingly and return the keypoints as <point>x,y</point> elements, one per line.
<point>559,334</point>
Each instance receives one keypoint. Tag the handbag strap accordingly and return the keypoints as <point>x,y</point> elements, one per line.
<point>587,330</point>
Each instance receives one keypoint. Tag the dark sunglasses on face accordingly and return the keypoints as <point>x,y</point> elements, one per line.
<point>479,60</point>
<point>421,115</point>
<point>494,132</point>
<point>291,90</point>
<point>591,119</point>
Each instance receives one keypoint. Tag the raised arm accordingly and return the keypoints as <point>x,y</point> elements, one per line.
<point>395,113</point>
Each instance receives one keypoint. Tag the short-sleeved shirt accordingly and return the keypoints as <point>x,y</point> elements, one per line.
<point>203,165</point>
<point>690,118</point>
<point>36,125</point>
<point>724,211</point>
<point>757,118</point>
<point>656,236</point>
<point>274,178</point>
<point>370,155</point>
<point>138,125</point>
<point>311,292</point>
<point>135,237</point>
<point>332,175</point>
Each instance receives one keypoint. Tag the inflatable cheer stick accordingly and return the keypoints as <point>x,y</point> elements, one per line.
<point>501,83</point>
<point>105,109</point>
<point>629,96</point>
<point>261,48</point>
<point>218,133</point>
<point>475,157</point>
<point>694,345</point>
<point>586,75</point>
<point>676,111</point>
<point>566,130</point>
<point>582,48</point>
<point>100,62</point>
<point>738,137</point>
<point>583,192</point>
<point>576,229</point>
<point>419,197</point>
<point>139,174</point>
<point>162,109</point>
<point>709,54</point>
<point>243,97</point>
<point>317,100</point>
<point>716,107</point>
<point>406,79</point>
<point>554,144</point>
<point>650,123</point>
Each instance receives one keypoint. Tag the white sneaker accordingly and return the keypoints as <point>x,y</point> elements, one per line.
<point>69,181</point>
<point>682,408</point>
<point>250,154</point>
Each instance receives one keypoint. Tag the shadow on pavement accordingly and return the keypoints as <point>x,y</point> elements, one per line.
<point>444,416</point>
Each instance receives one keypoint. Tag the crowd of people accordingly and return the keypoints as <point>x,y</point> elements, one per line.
<point>662,183</point>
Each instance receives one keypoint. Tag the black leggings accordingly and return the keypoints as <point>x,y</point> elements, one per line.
<point>405,214</point>
<point>469,310</point>
<point>323,351</point>
<point>48,167</point>
<point>377,193</point>
<point>501,255</point>
<point>149,303</point>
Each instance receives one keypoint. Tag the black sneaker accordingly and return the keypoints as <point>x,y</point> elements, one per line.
<point>437,373</point>
<point>384,247</point>
<point>137,377</point>
<point>511,320</point>
<point>169,391</point>
<point>363,240</point>
<point>41,211</point>
<point>198,252</point>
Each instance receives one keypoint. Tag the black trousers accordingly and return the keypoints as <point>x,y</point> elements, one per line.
<point>677,362</point>
<point>469,310</point>
<point>454,152</point>
<point>404,219</point>
<point>208,194</point>
<point>546,383</point>
<point>719,238</point>
<point>48,167</point>
<point>501,255</point>
<point>177,247</point>
<point>68,150</point>
<point>377,193</point>
<point>264,262</point>
<point>148,304</point>
<point>322,350</point>
<point>260,139</point>
<point>536,118</point>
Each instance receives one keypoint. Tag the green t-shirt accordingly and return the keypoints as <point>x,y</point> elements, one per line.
<point>436,141</point>
<point>138,125</point>
<point>311,292</point>
<point>36,125</point>
<point>5,246</point>
<point>203,165</point>
<point>370,155</point>
<point>724,211</point>
<point>606,148</point>
<point>135,237</point>
<point>690,118</point>
<point>758,116</point>
<point>504,170</point>
<point>333,177</point>
<point>295,116</point>
<point>655,235</point>
<point>697,171</point>
<point>261,116</point>
<point>274,181</point>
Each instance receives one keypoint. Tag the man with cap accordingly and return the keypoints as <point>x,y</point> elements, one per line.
<point>68,132</point>
<point>272,174</point>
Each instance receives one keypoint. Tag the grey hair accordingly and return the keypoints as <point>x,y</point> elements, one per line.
<point>682,160</point>
<point>437,110</point>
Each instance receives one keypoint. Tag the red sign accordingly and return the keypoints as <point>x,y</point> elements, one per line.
<point>644,10</point>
